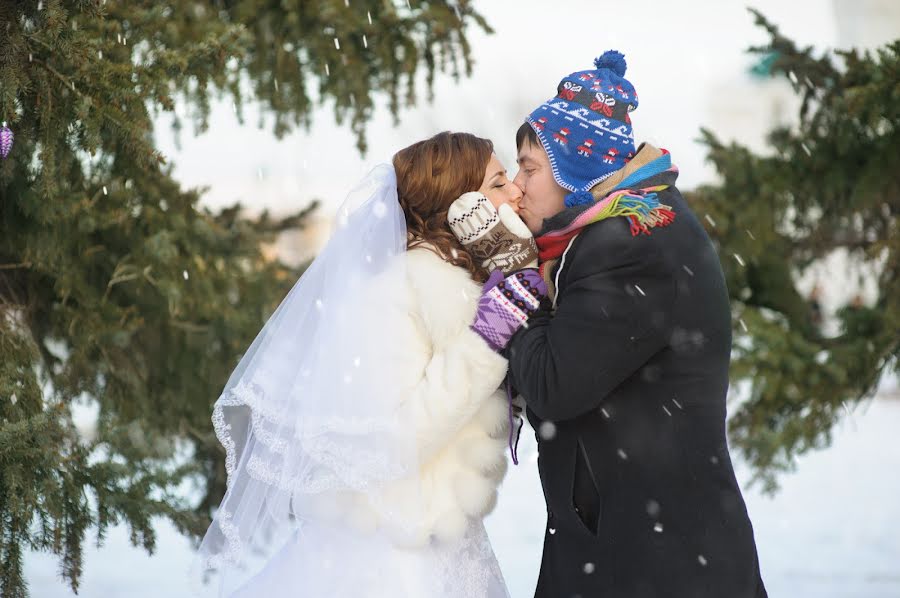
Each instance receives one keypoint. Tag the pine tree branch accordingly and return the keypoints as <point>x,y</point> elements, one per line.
<point>95,278</point>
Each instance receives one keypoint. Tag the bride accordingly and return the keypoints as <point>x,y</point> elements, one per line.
<point>364,428</point>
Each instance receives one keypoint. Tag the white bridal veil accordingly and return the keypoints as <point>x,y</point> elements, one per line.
<point>309,418</point>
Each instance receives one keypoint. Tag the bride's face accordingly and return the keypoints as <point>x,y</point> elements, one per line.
<point>498,188</point>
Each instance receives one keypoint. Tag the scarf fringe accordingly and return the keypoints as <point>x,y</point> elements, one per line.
<point>642,208</point>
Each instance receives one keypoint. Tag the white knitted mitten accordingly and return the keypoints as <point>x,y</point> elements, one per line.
<point>498,238</point>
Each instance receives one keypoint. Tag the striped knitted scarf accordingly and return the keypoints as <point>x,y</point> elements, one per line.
<point>635,198</point>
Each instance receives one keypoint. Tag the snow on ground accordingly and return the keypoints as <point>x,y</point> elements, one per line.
<point>833,531</point>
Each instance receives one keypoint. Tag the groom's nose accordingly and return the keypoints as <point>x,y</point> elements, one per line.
<point>519,181</point>
<point>516,195</point>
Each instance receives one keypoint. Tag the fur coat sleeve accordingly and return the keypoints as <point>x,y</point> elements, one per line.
<point>460,372</point>
<point>461,416</point>
<point>451,382</point>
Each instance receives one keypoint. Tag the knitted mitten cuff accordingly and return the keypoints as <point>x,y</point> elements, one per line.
<point>506,304</point>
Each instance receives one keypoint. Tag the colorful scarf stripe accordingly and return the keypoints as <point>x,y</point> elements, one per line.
<point>641,207</point>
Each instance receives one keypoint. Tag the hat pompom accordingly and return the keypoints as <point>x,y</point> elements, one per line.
<point>612,60</point>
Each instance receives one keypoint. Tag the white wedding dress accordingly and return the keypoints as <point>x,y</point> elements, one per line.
<point>364,433</point>
<point>467,568</point>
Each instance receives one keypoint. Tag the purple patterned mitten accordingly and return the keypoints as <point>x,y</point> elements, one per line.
<point>506,304</point>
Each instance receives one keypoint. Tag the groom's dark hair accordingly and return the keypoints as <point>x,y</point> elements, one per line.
<point>526,133</point>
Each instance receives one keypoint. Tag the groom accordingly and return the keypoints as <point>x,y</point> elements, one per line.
<point>625,377</point>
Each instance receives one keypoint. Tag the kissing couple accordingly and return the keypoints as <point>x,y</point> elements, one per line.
<point>366,429</point>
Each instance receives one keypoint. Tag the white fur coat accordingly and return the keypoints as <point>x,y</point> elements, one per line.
<point>452,384</point>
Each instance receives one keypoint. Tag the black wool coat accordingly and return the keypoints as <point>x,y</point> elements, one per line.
<point>625,384</point>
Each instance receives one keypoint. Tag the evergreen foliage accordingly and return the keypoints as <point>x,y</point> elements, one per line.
<point>116,287</point>
<point>830,183</point>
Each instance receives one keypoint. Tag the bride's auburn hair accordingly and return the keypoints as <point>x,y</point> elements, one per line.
<point>431,175</point>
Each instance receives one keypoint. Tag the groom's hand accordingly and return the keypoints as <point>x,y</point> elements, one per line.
<point>497,238</point>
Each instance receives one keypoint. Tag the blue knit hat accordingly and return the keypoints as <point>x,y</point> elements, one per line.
<point>586,128</point>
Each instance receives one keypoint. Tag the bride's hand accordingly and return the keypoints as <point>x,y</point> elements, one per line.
<point>496,237</point>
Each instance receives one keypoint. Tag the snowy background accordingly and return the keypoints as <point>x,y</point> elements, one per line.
<point>833,530</point>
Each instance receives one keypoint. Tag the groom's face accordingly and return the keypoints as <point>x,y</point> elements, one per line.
<point>542,197</point>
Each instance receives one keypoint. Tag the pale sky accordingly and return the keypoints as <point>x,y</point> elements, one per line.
<point>687,61</point>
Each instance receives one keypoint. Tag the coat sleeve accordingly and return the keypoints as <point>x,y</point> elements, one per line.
<point>613,314</point>
<point>462,371</point>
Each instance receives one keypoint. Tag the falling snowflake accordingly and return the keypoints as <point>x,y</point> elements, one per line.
<point>701,559</point>
<point>379,209</point>
<point>589,568</point>
<point>185,274</point>
<point>622,455</point>
<point>658,528</point>
<point>688,270</point>
<point>552,530</point>
<point>653,508</point>
<point>547,430</point>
